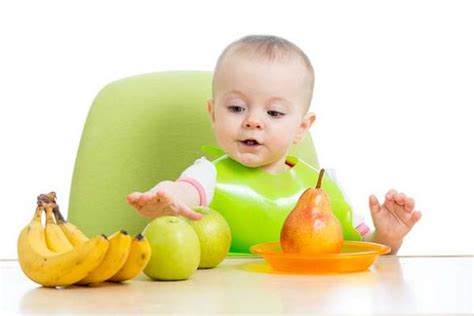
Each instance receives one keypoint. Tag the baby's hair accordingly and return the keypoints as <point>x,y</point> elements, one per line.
<point>269,47</point>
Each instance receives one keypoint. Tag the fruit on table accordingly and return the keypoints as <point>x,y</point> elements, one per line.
<point>214,236</point>
<point>311,228</point>
<point>49,268</point>
<point>175,249</point>
<point>113,261</point>
<point>59,254</point>
<point>140,253</point>
<point>55,238</point>
<point>73,234</point>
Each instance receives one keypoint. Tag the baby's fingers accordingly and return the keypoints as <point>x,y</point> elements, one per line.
<point>415,217</point>
<point>147,198</point>
<point>409,204</point>
<point>391,194</point>
<point>400,198</point>
<point>374,204</point>
<point>189,213</point>
<point>132,198</point>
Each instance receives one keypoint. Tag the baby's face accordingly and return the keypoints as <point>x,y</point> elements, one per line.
<point>259,109</point>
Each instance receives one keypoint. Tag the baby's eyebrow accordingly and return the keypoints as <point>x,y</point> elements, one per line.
<point>240,93</point>
<point>279,99</point>
<point>272,99</point>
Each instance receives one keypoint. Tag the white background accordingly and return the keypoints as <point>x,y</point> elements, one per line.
<point>394,92</point>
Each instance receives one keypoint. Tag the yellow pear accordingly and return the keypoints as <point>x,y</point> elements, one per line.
<point>311,228</point>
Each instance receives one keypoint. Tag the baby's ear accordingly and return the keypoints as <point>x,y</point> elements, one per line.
<point>306,123</point>
<point>210,110</point>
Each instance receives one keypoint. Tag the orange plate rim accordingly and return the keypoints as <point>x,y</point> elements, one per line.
<point>382,249</point>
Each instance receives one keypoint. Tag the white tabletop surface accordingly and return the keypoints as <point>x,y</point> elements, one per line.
<point>392,285</point>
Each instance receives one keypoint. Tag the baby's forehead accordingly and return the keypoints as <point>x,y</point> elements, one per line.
<point>282,58</point>
<point>258,66</point>
<point>239,66</point>
<point>256,56</point>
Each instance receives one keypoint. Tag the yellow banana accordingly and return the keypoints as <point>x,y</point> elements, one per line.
<point>47,268</point>
<point>113,261</point>
<point>55,237</point>
<point>140,253</point>
<point>73,234</point>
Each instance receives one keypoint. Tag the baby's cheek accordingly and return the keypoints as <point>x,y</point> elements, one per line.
<point>219,131</point>
<point>281,142</point>
<point>224,137</point>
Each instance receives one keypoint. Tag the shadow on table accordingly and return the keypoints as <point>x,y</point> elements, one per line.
<point>369,290</point>
<point>99,298</point>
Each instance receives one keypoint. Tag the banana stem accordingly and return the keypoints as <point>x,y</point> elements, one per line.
<point>57,214</point>
<point>49,213</point>
<point>49,200</point>
<point>39,211</point>
<point>320,179</point>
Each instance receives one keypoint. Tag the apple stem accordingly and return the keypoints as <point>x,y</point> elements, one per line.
<point>320,179</point>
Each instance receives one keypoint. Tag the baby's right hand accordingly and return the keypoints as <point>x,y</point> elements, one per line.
<point>159,203</point>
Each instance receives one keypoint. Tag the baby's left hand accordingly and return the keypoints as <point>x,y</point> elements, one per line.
<point>394,218</point>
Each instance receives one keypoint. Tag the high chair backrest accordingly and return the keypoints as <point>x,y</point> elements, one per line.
<point>139,131</point>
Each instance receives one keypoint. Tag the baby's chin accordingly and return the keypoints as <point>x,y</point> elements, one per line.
<point>250,164</point>
<point>248,160</point>
<point>254,161</point>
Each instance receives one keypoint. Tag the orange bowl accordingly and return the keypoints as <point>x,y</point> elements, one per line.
<point>354,256</point>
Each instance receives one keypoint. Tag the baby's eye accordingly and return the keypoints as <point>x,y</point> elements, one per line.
<point>235,108</point>
<point>275,113</point>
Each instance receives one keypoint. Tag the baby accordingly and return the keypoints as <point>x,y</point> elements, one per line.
<point>262,90</point>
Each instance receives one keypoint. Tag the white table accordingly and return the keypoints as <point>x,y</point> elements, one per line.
<point>395,285</point>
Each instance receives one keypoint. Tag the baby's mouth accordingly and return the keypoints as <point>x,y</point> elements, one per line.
<point>250,142</point>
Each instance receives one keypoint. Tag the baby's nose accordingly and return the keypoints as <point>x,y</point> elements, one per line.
<point>254,124</point>
<point>252,121</point>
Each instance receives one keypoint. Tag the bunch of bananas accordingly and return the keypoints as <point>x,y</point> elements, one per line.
<point>59,254</point>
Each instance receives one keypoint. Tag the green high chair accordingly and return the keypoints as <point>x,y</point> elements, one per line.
<point>139,131</point>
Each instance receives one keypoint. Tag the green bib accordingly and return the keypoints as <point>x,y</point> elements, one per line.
<point>256,203</point>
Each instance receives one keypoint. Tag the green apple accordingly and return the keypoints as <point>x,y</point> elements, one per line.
<point>175,249</point>
<point>214,236</point>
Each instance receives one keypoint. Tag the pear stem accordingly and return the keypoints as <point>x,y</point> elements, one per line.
<point>320,179</point>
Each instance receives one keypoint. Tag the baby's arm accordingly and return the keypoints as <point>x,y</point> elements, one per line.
<point>167,198</point>
<point>194,187</point>
<point>392,220</point>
